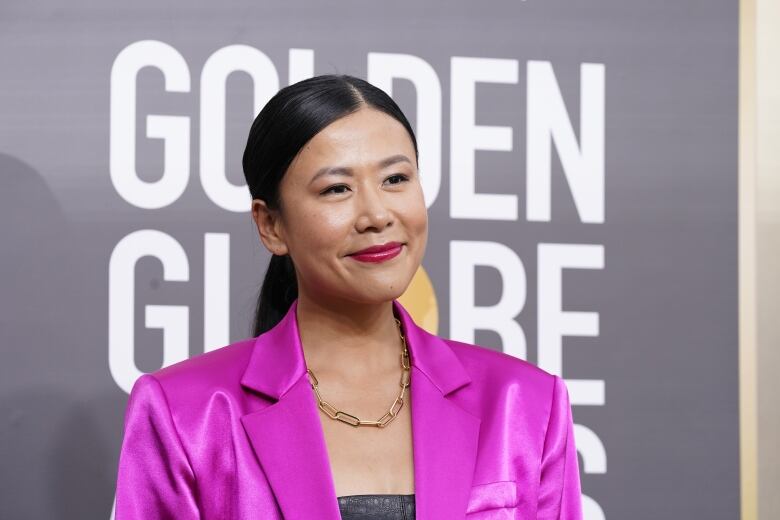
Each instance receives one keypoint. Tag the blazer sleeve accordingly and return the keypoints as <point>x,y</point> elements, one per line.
<point>155,480</point>
<point>559,488</point>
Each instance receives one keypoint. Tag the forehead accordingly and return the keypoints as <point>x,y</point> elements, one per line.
<point>360,139</point>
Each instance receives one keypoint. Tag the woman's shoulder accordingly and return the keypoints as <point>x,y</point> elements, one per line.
<point>494,367</point>
<point>501,382</point>
<point>217,370</point>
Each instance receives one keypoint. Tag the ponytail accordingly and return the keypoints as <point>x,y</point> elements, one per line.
<point>279,290</point>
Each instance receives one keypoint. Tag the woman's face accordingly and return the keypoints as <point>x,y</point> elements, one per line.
<point>352,186</point>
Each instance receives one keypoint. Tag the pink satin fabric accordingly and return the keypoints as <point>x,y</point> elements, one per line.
<point>235,434</point>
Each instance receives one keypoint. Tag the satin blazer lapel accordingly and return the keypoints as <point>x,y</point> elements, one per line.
<point>290,446</point>
<point>287,435</point>
<point>444,435</point>
<point>288,440</point>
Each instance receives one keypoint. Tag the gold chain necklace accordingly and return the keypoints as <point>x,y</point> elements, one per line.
<point>395,408</point>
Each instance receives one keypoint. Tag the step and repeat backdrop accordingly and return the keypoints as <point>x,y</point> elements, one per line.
<point>579,163</point>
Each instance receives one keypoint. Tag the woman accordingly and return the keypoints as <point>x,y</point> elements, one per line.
<point>342,406</point>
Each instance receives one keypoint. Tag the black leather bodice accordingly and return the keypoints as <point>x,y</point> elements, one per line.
<point>377,507</point>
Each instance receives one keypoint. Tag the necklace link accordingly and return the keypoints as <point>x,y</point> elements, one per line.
<point>395,408</point>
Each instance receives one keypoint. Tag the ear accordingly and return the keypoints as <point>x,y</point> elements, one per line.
<point>269,226</point>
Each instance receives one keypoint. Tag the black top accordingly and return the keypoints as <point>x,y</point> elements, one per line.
<point>377,507</point>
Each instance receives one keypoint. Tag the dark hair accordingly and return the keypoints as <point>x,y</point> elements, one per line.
<point>286,123</point>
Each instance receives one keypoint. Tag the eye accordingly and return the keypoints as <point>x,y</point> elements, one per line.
<point>401,176</point>
<point>332,189</point>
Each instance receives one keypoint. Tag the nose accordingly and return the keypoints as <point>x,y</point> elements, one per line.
<point>373,211</point>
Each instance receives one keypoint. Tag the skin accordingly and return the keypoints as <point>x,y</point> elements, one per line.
<point>345,317</point>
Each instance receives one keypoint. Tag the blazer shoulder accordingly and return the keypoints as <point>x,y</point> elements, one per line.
<point>202,374</point>
<point>501,382</point>
<point>496,367</point>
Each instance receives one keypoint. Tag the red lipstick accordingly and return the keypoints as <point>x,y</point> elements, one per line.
<point>378,253</point>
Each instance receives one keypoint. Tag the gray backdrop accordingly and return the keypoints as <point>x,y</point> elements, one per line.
<point>648,255</point>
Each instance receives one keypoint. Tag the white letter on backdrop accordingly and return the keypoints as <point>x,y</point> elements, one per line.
<point>548,121</point>
<point>213,79</point>
<point>173,319</point>
<point>594,461</point>
<point>554,322</point>
<point>465,317</point>
<point>301,65</point>
<point>591,510</point>
<point>216,290</point>
<point>466,138</point>
<point>594,456</point>
<point>174,130</point>
<point>382,69</point>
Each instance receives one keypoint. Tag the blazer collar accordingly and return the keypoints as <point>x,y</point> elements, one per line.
<point>287,438</point>
<point>277,360</point>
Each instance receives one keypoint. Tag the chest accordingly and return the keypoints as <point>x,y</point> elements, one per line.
<point>368,459</point>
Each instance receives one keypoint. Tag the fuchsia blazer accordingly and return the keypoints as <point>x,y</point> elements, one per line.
<point>235,434</point>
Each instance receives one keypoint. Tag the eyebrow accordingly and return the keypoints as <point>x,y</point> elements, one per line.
<point>347,171</point>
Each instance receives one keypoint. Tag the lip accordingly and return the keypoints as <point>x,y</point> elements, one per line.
<point>378,253</point>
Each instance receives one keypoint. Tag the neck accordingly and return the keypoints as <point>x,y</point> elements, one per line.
<point>348,338</point>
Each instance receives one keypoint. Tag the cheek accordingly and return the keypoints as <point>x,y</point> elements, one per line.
<point>416,224</point>
<point>418,217</point>
<point>318,231</point>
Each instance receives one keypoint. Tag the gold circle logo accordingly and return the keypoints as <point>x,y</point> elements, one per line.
<point>420,300</point>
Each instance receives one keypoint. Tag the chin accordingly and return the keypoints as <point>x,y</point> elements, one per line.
<point>369,295</point>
